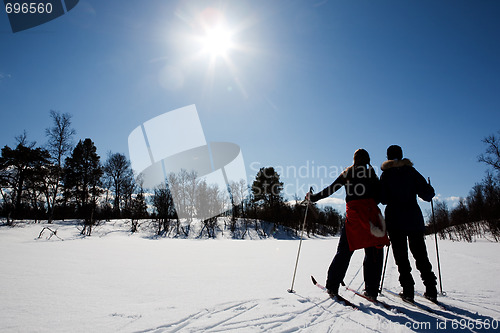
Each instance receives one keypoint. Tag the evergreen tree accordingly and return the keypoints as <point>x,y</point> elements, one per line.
<point>21,167</point>
<point>267,193</point>
<point>267,188</point>
<point>82,180</point>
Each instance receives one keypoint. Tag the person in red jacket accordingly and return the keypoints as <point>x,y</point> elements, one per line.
<point>364,226</point>
<point>401,184</point>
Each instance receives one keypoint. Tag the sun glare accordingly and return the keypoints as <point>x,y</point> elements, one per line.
<point>217,41</point>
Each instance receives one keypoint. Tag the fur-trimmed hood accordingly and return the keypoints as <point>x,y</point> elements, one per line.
<point>396,164</point>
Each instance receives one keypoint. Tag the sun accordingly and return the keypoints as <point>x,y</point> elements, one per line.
<point>217,41</point>
<point>214,38</point>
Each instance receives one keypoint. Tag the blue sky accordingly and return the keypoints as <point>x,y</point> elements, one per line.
<point>305,84</point>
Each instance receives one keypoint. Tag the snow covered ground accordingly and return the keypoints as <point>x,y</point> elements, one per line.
<point>114,281</point>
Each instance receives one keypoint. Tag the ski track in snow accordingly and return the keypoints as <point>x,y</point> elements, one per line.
<point>320,315</point>
<point>306,314</point>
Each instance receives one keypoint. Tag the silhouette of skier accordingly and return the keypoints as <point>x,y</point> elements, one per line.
<point>401,183</point>
<point>362,187</point>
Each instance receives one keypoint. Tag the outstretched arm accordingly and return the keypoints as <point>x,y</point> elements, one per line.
<point>337,184</point>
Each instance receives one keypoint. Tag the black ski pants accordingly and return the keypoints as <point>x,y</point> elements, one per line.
<point>372,266</point>
<point>400,240</point>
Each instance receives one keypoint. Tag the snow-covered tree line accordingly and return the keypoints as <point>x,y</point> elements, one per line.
<point>245,207</point>
<point>63,180</point>
<point>60,179</point>
<point>479,213</point>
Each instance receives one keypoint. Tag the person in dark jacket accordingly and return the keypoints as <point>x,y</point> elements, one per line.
<point>401,184</point>
<point>361,183</point>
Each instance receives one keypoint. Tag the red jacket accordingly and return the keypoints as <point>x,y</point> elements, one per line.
<point>365,225</point>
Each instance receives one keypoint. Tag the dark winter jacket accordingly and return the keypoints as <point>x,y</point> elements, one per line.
<point>360,182</point>
<point>401,184</point>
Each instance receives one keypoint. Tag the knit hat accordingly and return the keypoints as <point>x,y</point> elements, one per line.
<point>361,157</point>
<point>394,152</point>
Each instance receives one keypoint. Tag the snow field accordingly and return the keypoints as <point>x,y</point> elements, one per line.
<point>115,281</point>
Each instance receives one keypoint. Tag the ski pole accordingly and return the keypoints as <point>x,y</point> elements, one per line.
<point>300,243</point>
<point>385,265</point>
<point>436,240</point>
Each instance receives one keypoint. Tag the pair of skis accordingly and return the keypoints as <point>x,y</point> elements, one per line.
<point>344,301</point>
<point>420,305</point>
<point>375,301</point>
<point>341,299</point>
<point>336,297</point>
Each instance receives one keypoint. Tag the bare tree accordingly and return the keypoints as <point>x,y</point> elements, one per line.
<point>190,181</point>
<point>60,143</point>
<point>139,207</point>
<point>128,188</point>
<point>238,190</point>
<point>492,155</point>
<point>164,205</point>
<point>210,202</point>
<point>118,170</point>
<point>183,188</point>
<point>60,136</point>
<point>22,139</point>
